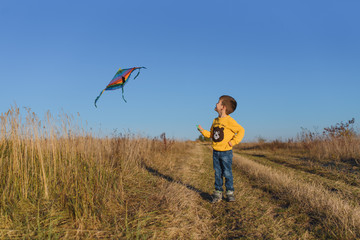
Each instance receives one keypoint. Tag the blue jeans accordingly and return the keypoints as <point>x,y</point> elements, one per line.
<point>222,162</point>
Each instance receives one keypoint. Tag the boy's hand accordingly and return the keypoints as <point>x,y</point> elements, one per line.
<point>230,144</point>
<point>199,128</point>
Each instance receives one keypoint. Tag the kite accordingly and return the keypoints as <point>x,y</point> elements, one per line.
<point>121,77</point>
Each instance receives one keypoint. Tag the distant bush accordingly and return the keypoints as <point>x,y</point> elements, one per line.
<point>340,130</point>
<point>201,138</point>
<point>339,142</point>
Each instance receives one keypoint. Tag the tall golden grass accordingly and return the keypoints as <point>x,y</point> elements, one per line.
<point>58,180</point>
<point>339,143</point>
<point>55,164</point>
<point>346,149</point>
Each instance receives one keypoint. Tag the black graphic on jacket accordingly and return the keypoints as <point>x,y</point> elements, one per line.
<point>218,134</point>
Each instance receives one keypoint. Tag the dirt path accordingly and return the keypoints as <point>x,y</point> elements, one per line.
<point>256,214</point>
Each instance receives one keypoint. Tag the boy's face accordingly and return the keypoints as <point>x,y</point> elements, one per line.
<point>219,107</point>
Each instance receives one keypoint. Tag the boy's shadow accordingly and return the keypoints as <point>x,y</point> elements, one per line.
<point>155,172</point>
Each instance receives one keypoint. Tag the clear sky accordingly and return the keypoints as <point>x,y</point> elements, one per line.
<point>289,64</point>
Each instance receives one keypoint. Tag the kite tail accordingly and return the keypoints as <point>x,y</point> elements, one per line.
<point>123,94</point>
<point>98,97</point>
<point>138,72</point>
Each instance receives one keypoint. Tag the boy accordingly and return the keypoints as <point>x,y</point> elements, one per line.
<point>225,133</point>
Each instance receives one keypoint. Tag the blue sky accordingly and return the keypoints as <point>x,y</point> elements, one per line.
<point>289,64</point>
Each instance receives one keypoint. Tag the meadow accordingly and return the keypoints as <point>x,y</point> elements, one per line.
<point>59,180</point>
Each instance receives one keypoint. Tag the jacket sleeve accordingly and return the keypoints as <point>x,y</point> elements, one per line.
<point>208,134</point>
<point>239,132</point>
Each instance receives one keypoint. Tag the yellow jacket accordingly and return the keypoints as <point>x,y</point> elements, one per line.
<point>224,130</point>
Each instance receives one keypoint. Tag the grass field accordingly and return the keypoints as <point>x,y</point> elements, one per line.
<point>60,181</point>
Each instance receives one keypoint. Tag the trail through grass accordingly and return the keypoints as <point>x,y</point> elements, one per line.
<point>254,215</point>
<point>272,203</point>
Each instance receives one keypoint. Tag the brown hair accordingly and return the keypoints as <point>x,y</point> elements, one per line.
<point>229,102</point>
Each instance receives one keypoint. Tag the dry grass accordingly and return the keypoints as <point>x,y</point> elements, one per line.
<point>345,149</point>
<point>60,181</point>
<point>340,217</point>
<point>317,173</point>
<point>339,143</point>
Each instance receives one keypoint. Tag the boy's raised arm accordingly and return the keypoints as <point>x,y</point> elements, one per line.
<point>204,132</point>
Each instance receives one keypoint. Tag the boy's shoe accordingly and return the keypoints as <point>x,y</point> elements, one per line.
<point>230,196</point>
<point>216,197</point>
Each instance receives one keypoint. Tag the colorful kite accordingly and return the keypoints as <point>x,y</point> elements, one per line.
<point>119,80</point>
